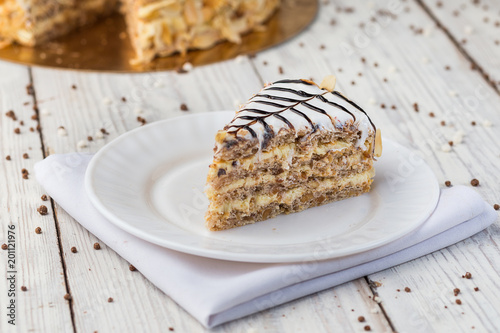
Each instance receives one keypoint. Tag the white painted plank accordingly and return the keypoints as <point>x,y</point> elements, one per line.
<point>475,25</point>
<point>41,308</point>
<point>94,276</point>
<point>415,68</point>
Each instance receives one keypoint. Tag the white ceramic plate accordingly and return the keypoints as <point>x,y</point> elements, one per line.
<point>150,181</point>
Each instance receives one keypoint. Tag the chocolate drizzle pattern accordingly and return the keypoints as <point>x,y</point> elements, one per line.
<point>295,105</point>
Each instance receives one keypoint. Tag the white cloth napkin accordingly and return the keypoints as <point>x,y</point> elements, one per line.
<point>217,291</point>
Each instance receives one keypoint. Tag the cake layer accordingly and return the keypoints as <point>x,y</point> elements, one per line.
<point>271,208</point>
<point>331,164</point>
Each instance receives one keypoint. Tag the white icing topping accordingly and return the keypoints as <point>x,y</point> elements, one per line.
<point>298,105</point>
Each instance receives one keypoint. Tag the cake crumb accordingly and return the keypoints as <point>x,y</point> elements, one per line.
<point>468,275</point>
<point>476,289</point>
<point>407,289</point>
<point>474,182</point>
<point>446,148</point>
<point>496,206</point>
<point>61,131</point>
<point>23,288</point>
<point>8,158</point>
<point>44,197</point>
<point>107,101</point>
<point>367,328</point>
<point>38,230</point>
<point>110,300</point>
<point>4,246</point>
<point>73,249</point>
<point>456,291</point>
<point>132,268</point>
<point>184,107</point>
<point>487,123</point>
<point>458,301</point>
<point>361,319</point>
<point>82,144</point>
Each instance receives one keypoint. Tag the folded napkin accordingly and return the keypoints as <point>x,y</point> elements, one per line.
<point>217,291</point>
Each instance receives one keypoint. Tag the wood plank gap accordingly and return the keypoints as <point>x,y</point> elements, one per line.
<point>480,69</point>
<point>373,288</point>
<point>255,70</point>
<point>54,214</point>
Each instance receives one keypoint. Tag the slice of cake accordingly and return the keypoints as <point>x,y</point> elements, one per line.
<point>294,145</point>
<point>163,27</point>
<point>33,22</point>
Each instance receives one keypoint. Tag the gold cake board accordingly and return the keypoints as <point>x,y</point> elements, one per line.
<point>105,46</point>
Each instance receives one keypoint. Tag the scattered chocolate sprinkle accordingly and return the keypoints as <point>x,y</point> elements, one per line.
<point>29,89</point>
<point>184,107</point>
<point>21,123</point>
<point>67,297</point>
<point>353,83</point>
<point>89,138</point>
<point>459,302</point>
<point>393,107</point>
<point>73,249</point>
<point>476,289</point>
<point>360,74</point>
<point>385,79</point>
<point>496,206</point>
<point>38,230</point>
<point>456,291</point>
<point>11,115</point>
<point>141,120</point>
<point>17,130</point>
<point>8,158</point>
<point>4,246</point>
<point>110,300</point>
<point>301,44</point>
<point>32,129</point>
<point>367,328</point>
<point>73,86</point>
<point>23,288</point>
<point>415,107</point>
<point>361,319</point>
<point>103,131</point>
<point>375,64</point>
<point>264,63</point>
<point>97,246</point>
<point>26,156</point>
<point>447,183</point>
<point>170,328</point>
<point>474,182</point>
<point>44,197</point>
<point>322,47</point>
<point>443,123</point>
<point>447,68</point>
<point>132,268</point>
<point>280,70</point>
<point>382,106</point>
<point>339,70</point>
<point>333,22</point>
<point>221,172</point>
<point>468,275</point>
<point>473,123</point>
<point>445,307</point>
<point>431,114</point>
<point>363,60</point>
<point>398,290</point>
<point>124,99</point>
<point>407,289</point>
<point>42,210</point>
<point>450,143</point>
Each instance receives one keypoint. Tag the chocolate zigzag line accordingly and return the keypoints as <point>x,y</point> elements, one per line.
<point>269,133</point>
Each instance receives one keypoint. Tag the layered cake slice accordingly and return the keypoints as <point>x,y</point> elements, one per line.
<point>33,22</point>
<point>163,27</point>
<point>293,146</point>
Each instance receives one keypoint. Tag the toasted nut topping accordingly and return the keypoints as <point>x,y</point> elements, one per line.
<point>328,83</point>
<point>378,143</point>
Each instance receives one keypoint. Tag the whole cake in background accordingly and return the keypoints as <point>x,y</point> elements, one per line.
<point>294,145</point>
<point>155,27</point>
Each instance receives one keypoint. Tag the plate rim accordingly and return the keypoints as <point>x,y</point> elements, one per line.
<point>220,254</point>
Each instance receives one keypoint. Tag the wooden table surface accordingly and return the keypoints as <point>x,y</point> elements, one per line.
<point>387,56</point>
